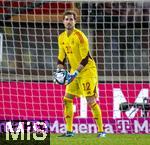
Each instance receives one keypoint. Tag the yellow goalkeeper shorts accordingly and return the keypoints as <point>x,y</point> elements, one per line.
<point>84,85</point>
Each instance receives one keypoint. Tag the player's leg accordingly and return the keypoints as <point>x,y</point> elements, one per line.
<point>68,112</point>
<point>97,115</point>
<point>89,89</point>
<point>72,90</point>
<point>68,115</point>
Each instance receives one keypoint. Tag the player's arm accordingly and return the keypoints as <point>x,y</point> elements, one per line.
<point>83,62</point>
<point>84,52</point>
<point>60,62</point>
<point>61,56</point>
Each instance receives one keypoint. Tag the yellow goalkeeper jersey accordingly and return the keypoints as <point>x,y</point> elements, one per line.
<point>75,48</point>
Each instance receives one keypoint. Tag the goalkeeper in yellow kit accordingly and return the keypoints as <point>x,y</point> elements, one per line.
<point>83,79</point>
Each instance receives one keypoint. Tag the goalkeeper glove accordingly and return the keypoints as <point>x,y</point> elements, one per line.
<point>71,77</point>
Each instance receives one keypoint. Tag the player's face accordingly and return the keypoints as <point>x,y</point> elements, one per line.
<point>69,22</point>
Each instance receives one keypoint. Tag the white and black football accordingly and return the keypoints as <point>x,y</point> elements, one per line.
<point>60,77</point>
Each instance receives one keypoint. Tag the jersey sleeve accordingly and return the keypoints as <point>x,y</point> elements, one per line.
<point>61,52</point>
<point>84,46</point>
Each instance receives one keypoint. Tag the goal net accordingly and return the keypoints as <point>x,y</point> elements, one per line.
<point>119,39</point>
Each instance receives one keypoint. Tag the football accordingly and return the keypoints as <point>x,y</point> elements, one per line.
<point>60,77</point>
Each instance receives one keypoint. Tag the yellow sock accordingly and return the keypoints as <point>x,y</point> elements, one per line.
<point>68,113</point>
<point>96,111</point>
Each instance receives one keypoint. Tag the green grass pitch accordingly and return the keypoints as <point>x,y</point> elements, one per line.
<point>84,139</point>
<point>110,139</point>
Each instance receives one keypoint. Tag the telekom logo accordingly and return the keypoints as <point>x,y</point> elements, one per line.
<point>118,98</point>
